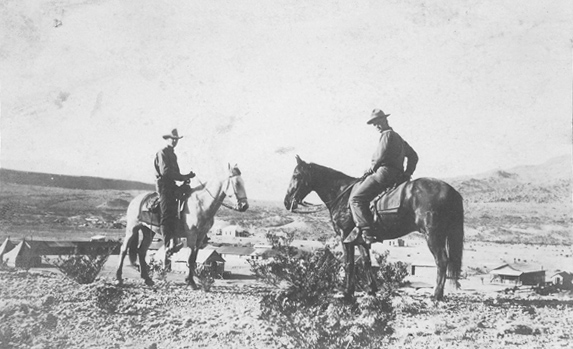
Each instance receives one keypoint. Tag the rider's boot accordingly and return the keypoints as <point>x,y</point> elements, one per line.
<point>367,235</point>
<point>359,235</point>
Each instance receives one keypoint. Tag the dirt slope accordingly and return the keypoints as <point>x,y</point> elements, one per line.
<point>47,311</point>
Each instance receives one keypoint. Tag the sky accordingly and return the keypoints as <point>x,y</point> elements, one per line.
<point>89,87</point>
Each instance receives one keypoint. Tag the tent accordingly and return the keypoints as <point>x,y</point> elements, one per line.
<point>22,256</point>
<point>6,247</point>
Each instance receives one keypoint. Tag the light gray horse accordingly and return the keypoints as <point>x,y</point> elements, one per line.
<point>197,218</point>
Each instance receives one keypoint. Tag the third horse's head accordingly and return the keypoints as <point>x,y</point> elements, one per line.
<point>238,189</point>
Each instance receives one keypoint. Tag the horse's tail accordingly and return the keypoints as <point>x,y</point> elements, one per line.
<point>455,236</point>
<point>132,247</point>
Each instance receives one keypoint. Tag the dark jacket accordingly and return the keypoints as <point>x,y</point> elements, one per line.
<point>166,167</point>
<point>390,153</point>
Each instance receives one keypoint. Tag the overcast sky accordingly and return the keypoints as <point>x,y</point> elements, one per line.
<point>89,87</point>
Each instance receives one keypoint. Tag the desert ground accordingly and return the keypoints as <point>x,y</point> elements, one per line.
<point>40,308</point>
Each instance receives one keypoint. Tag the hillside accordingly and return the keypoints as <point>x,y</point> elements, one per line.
<point>550,182</point>
<point>527,204</point>
<point>70,182</point>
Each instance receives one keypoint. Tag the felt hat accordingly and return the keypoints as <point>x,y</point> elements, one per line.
<point>174,134</point>
<point>377,114</point>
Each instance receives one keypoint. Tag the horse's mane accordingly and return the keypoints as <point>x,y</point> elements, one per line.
<point>332,174</point>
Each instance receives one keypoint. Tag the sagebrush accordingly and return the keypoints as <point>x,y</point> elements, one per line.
<point>108,297</point>
<point>206,275</point>
<point>84,268</point>
<point>305,306</point>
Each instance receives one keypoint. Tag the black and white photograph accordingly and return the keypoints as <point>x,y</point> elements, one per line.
<point>286,174</point>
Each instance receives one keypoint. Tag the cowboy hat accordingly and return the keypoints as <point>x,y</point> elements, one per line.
<point>174,134</point>
<point>376,115</point>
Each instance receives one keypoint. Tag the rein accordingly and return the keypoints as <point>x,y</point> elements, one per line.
<point>331,202</point>
<point>339,196</point>
<point>213,196</point>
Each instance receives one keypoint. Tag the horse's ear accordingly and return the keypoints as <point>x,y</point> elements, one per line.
<point>228,166</point>
<point>299,160</point>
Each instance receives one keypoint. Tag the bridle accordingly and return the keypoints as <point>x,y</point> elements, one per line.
<point>327,204</point>
<point>229,183</point>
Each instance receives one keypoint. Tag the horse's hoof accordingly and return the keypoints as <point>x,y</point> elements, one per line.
<point>149,282</point>
<point>192,285</point>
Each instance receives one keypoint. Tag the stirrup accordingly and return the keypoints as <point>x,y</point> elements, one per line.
<point>173,250</point>
<point>368,239</point>
<point>353,236</point>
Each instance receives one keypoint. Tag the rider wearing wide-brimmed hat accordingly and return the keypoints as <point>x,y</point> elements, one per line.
<point>167,173</point>
<point>386,169</point>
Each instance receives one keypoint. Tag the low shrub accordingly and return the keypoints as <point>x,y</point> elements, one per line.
<point>108,297</point>
<point>83,268</point>
<point>206,277</point>
<point>305,306</point>
<point>157,269</point>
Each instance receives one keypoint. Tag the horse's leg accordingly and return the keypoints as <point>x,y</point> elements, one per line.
<point>142,252</point>
<point>129,234</point>
<point>441,259</point>
<point>350,282</point>
<point>436,240</point>
<point>192,266</point>
<point>370,276</point>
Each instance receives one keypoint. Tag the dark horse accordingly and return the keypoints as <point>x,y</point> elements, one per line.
<point>429,206</point>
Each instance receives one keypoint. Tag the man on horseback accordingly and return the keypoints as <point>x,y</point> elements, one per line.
<point>166,173</point>
<point>387,169</point>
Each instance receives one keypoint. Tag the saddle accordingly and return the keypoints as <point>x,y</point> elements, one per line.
<point>150,212</point>
<point>386,205</point>
<point>390,200</point>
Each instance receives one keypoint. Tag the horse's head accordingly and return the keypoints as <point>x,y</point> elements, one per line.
<point>236,189</point>
<point>299,186</point>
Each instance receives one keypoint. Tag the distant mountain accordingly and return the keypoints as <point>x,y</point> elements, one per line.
<point>544,183</point>
<point>70,182</point>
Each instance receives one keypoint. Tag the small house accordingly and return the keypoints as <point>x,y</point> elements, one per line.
<point>234,231</point>
<point>307,245</point>
<point>563,279</point>
<point>263,253</point>
<point>206,257</point>
<point>235,252</point>
<point>423,269</point>
<point>517,274</point>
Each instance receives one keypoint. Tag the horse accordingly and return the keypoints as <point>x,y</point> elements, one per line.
<point>197,217</point>
<point>429,206</point>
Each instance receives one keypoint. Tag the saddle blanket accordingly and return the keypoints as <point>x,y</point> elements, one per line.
<point>149,210</point>
<point>390,200</point>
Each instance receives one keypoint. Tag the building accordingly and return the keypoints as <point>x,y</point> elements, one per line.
<point>236,253</point>
<point>307,245</point>
<point>207,257</point>
<point>234,231</point>
<point>563,279</point>
<point>517,274</point>
<point>263,253</point>
<point>423,269</point>
<point>29,253</point>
